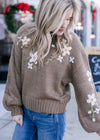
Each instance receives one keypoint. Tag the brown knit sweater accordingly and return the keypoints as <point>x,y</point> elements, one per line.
<point>46,89</point>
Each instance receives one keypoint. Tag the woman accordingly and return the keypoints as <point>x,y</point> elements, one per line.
<point>46,57</point>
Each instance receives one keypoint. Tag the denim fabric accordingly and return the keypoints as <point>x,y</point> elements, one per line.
<point>40,126</point>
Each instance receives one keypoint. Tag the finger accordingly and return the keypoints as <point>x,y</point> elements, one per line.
<point>17,120</point>
<point>21,121</point>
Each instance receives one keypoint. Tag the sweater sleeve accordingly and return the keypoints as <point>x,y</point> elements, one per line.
<point>85,92</point>
<point>12,96</point>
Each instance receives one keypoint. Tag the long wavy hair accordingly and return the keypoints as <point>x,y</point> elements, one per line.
<point>49,17</point>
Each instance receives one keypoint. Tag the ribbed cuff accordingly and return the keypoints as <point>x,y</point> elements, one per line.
<point>16,110</point>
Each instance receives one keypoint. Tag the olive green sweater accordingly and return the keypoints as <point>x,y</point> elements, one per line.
<point>46,89</point>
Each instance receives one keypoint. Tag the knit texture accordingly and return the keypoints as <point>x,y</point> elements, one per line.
<point>47,89</point>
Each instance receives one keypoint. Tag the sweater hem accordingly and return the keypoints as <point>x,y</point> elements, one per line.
<point>44,105</point>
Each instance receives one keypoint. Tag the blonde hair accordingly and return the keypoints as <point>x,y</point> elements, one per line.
<point>49,17</point>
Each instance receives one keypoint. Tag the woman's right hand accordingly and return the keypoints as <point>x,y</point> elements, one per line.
<point>18,119</point>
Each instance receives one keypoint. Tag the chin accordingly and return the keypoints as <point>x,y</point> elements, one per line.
<point>59,33</point>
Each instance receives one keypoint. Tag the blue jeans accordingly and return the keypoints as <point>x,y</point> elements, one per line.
<point>40,126</point>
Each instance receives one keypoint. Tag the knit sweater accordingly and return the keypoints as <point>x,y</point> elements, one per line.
<point>47,89</point>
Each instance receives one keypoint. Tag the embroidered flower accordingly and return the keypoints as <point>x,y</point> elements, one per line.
<point>71,59</point>
<point>36,62</point>
<point>97,110</point>
<point>91,99</point>
<point>89,76</point>
<point>89,112</point>
<point>66,50</point>
<point>30,65</point>
<point>93,119</point>
<point>33,57</point>
<point>53,45</point>
<point>21,46</point>
<point>19,37</point>
<point>32,60</point>
<point>25,40</point>
<point>60,58</point>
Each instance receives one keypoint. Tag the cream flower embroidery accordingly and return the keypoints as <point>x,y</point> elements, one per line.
<point>36,62</point>
<point>66,50</point>
<point>89,112</point>
<point>91,99</point>
<point>32,60</point>
<point>60,58</point>
<point>25,40</point>
<point>19,37</point>
<point>89,76</point>
<point>71,59</point>
<point>93,119</point>
<point>33,57</point>
<point>30,65</point>
<point>53,46</point>
<point>97,110</point>
<point>19,40</point>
